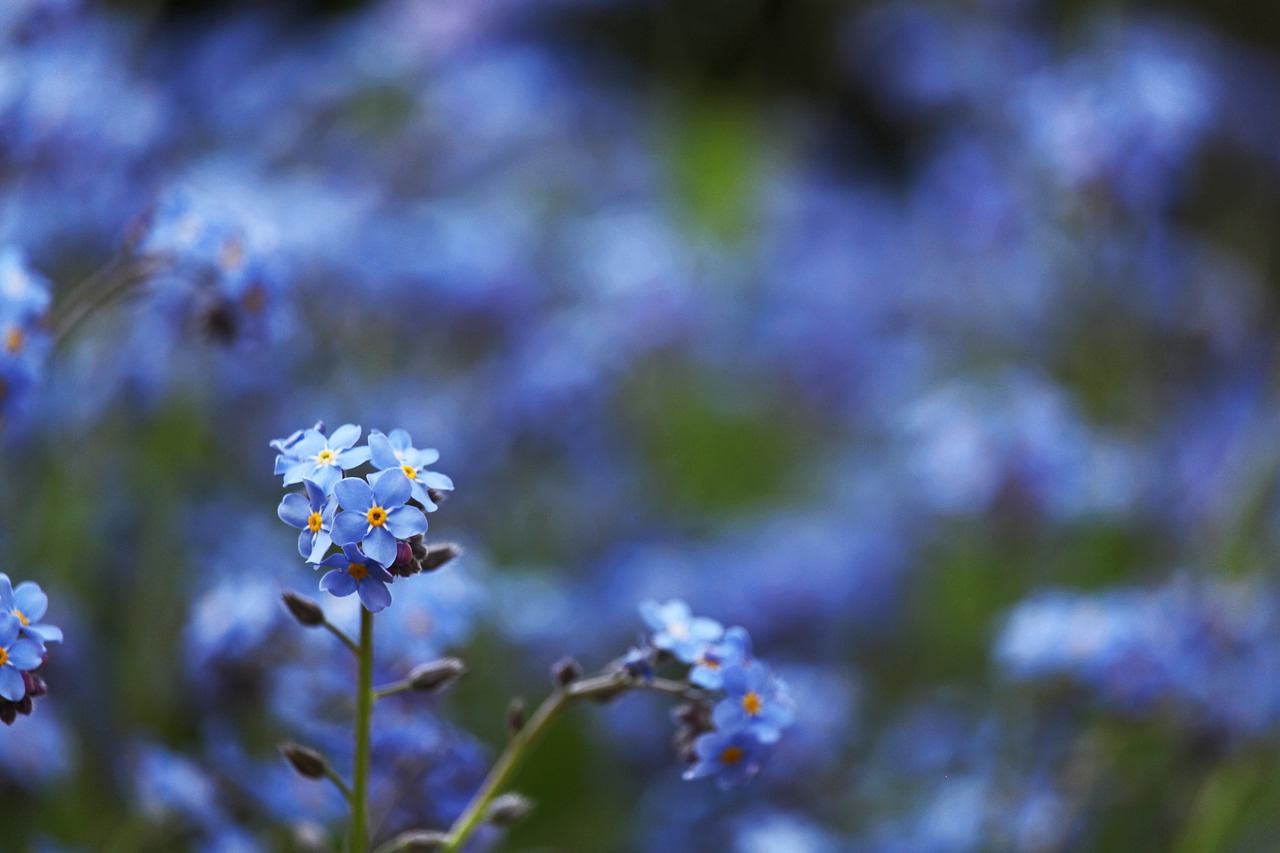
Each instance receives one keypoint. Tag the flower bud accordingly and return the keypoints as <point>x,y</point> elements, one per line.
<point>404,553</point>
<point>515,715</point>
<point>420,841</point>
<point>303,609</point>
<point>436,675</point>
<point>439,554</point>
<point>508,810</point>
<point>565,672</point>
<point>309,763</point>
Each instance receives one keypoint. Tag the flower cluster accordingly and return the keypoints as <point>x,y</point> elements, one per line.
<point>377,523</point>
<point>737,708</point>
<point>24,338</point>
<point>22,646</point>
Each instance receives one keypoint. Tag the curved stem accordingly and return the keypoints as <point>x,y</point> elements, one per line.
<point>113,280</point>
<point>341,635</point>
<point>364,713</point>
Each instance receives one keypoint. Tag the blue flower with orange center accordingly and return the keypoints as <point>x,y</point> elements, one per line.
<point>709,668</point>
<point>677,630</point>
<point>313,516</point>
<point>377,516</point>
<point>28,604</point>
<point>355,571</point>
<point>733,757</point>
<point>397,451</point>
<point>754,699</point>
<point>320,458</point>
<point>17,655</point>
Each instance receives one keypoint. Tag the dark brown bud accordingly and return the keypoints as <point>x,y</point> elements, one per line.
<point>436,675</point>
<point>309,763</point>
<point>404,553</point>
<point>420,841</point>
<point>437,496</point>
<point>515,715</point>
<point>303,609</point>
<point>439,554</point>
<point>565,671</point>
<point>8,712</point>
<point>508,810</point>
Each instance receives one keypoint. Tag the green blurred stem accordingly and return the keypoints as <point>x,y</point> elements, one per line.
<point>115,279</point>
<point>337,780</point>
<point>364,713</point>
<point>346,641</point>
<point>600,688</point>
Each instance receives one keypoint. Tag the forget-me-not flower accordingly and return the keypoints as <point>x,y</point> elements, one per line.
<point>355,571</point>
<point>677,630</point>
<point>376,517</point>
<point>321,458</point>
<point>313,515</point>
<point>732,757</point>
<point>709,668</point>
<point>17,655</point>
<point>754,699</point>
<point>397,451</point>
<point>28,603</point>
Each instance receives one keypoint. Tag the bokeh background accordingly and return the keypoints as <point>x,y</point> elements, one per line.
<point>934,342</point>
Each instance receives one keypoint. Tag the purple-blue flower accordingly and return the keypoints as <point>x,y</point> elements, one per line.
<point>397,451</point>
<point>28,603</point>
<point>313,515</point>
<point>734,650</point>
<point>354,571</point>
<point>320,458</point>
<point>732,757</point>
<point>677,630</point>
<point>754,699</point>
<point>17,655</point>
<point>376,517</point>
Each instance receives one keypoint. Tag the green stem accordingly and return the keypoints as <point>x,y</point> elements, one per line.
<point>341,635</point>
<point>113,280</point>
<point>364,713</point>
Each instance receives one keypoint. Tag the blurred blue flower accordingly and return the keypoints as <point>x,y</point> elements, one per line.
<point>733,757</point>
<point>676,630</point>
<point>376,517</point>
<point>16,657</point>
<point>397,451</point>
<point>29,603</point>
<point>354,571</point>
<point>733,650</point>
<point>754,699</point>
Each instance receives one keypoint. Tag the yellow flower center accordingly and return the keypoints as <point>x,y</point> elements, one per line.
<point>314,521</point>
<point>377,516</point>
<point>409,471</point>
<point>751,703</point>
<point>22,617</point>
<point>14,339</point>
<point>731,755</point>
<point>710,662</point>
<point>327,457</point>
<point>358,571</point>
<point>4,657</point>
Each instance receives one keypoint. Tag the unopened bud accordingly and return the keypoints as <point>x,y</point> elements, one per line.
<point>439,554</point>
<point>515,715</point>
<point>436,675</point>
<point>309,763</point>
<point>404,553</point>
<point>437,496</point>
<point>565,672</point>
<point>304,609</point>
<point>8,713</point>
<point>508,810</point>
<point>420,841</point>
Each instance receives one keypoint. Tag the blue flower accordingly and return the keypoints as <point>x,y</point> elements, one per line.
<point>28,603</point>
<point>734,650</point>
<point>313,456</point>
<point>676,630</point>
<point>376,517</point>
<point>397,451</point>
<point>313,515</point>
<point>732,757</point>
<point>754,699</point>
<point>354,571</point>
<point>24,340</point>
<point>16,657</point>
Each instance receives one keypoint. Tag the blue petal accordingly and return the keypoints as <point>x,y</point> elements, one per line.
<point>325,476</point>
<point>380,545</point>
<point>406,521</point>
<point>420,495</point>
<point>707,630</point>
<point>381,452</point>
<point>392,488</point>
<point>6,592</point>
<point>316,495</point>
<point>306,543</point>
<point>400,440</point>
<point>353,457</point>
<point>294,510</point>
<point>354,494</point>
<point>12,687</point>
<point>728,716</point>
<point>320,547</point>
<point>335,561</point>
<point>26,654</point>
<point>45,632</point>
<point>348,527</point>
<point>344,436</point>
<point>374,595</point>
<point>435,480</point>
<point>338,582</point>
<point>9,627</point>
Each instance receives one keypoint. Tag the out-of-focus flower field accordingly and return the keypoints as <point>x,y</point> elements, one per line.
<point>936,342</point>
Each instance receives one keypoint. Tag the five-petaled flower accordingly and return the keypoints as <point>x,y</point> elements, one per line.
<point>313,515</point>
<point>355,571</point>
<point>732,757</point>
<point>376,517</point>
<point>320,458</point>
<point>677,630</point>
<point>397,451</point>
<point>754,699</point>
<point>710,666</point>
<point>17,655</point>
<point>28,604</point>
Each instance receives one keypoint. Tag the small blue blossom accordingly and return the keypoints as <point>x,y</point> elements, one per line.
<point>29,603</point>
<point>754,699</point>
<point>313,515</point>
<point>24,340</point>
<point>376,517</point>
<point>354,571</point>
<point>397,451</point>
<point>734,650</point>
<point>16,657</point>
<point>320,458</point>
<point>677,630</point>
<point>732,757</point>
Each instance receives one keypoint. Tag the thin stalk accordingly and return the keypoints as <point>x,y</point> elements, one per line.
<point>364,713</point>
<point>341,635</point>
<point>332,776</point>
<point>100,288</point>
<point>393,689</point>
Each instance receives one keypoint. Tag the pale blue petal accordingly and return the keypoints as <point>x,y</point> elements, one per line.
<point>436,480</point>
<point>9,627</point>
<point>47,633</point>
<point>406,521</point>
<point>26,654</point>
<point>12,686</point>
<point>6,592</point>
<point>392,488</point>
<point>294,510</point>
<point>354,494</point>
<point>349,527</point>
<point>344,436</point>
<point>381,452</point>
<point>338,582</point>
<point>380,545</point>
<point>374,595</point>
